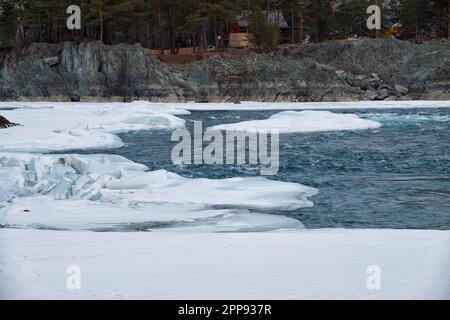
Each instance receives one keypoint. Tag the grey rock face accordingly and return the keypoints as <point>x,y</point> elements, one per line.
<point>89,69</point>
<point>330,71</point>
<point>263,78</point>
<point>423,68</point>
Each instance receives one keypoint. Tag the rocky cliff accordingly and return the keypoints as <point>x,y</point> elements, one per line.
<point>366,69</point>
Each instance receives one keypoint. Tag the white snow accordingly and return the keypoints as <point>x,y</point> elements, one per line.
<point>304,121</point>
<point>67,126</point>
<point>307,264</point>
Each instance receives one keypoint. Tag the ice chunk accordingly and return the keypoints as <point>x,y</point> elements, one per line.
<point>10,162</point>
<point>82,184</point>
<point>35,169</point>
<point>62,191</point>
<point>304,121</point>
<point>138,181</point>
<point>255,193</point>
<point>61,168</point>
<point>103,180</point>
<point>158,120</point>
<point>238,222</point>
<point>11,183</point>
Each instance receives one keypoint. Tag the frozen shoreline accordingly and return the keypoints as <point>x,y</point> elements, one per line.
<point>180,108</point>
<point>50,127</point>
<point>308,264</point>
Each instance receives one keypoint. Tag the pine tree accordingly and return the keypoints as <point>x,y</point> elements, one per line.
<point>95,15</point>
<point>352,17</point>
<point>316,16</point>
<point>262,32</point>
<point>8,21</point>
<point>171,23</point>
<point>441,10</point>
<point>415,16</point>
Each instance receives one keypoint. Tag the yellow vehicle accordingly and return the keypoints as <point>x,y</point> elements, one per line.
<point>393,30</point>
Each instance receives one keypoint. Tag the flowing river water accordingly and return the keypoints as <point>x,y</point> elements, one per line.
<point>397,176</point>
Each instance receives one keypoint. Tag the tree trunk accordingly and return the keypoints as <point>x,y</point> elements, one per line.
<point>449,19</point>
<point>292,24</point>
<point>301,28</point>
<point>101,25</point>
<point>200,44</point>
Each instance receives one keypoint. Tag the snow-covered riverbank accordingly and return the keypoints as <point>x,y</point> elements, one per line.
<point>308,264</point>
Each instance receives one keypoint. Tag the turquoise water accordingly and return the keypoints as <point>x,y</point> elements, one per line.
<point>397,176</point>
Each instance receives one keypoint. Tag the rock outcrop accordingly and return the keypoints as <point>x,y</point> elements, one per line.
<point>421,71</point>
<point>93,69</point>
<point>367,69</point>
<point>4,123</point>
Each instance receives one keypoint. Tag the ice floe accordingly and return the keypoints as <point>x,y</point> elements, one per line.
<point>253,193</point>
<point>68,126</point>
<point>304,121</point>
<point>111,192</point>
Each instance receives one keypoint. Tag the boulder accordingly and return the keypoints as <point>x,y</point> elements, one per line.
<point>374,83</point>
<point>401,89</point>
<point>382,94</point>
<point>385,86</point>
<point>390,90</point>
<point>371,95</point>
<point>375,76</point>
<point>341,74</point>
<point>361,77</point>
<point>52,61</point>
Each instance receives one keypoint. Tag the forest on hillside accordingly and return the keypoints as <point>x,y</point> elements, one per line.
<point>177,23</point>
